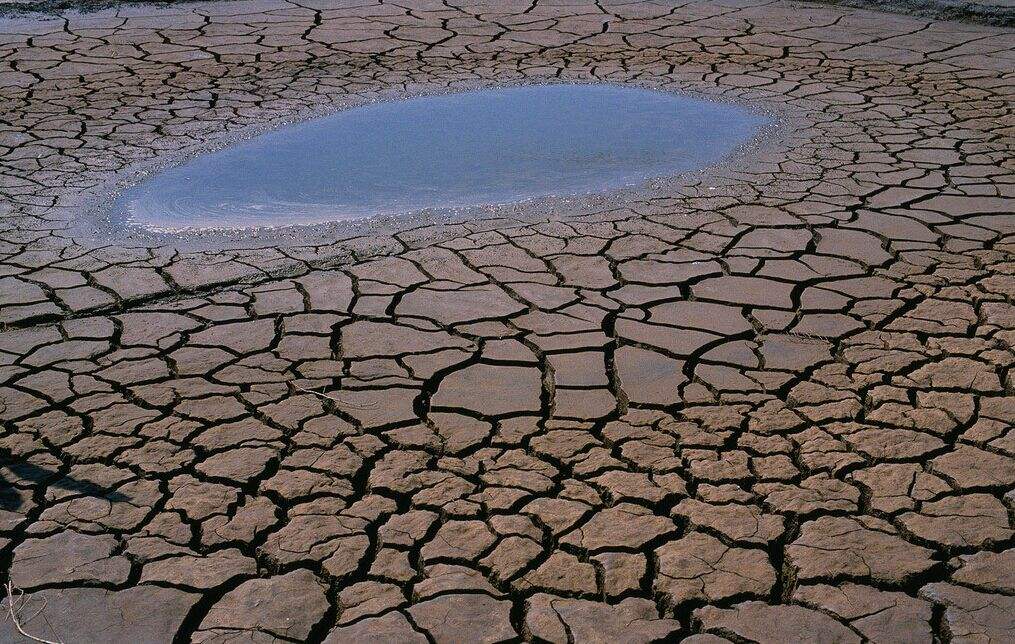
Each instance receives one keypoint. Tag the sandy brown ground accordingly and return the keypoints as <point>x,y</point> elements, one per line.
<point>772,403</point>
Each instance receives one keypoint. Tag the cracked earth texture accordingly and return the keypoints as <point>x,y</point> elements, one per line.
<point>771,402</point>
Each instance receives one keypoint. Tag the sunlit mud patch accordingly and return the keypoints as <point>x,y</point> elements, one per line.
<point>451,151</point>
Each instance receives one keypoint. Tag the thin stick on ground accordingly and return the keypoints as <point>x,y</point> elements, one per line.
<point>13,613</point>
<point>335,400</point>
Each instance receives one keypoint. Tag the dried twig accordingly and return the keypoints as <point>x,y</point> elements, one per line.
<point>336,400</point>
<point>817,339</point>
<point>13,611</point>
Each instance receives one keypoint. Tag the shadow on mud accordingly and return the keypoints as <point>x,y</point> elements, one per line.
<point>12,498</point>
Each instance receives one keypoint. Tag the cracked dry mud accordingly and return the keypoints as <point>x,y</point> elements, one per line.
<point>772,402</point>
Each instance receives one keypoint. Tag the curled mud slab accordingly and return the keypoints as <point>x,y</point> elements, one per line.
<point>770,400</point>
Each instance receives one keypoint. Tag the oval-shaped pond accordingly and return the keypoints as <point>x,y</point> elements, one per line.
<point>449,151</point>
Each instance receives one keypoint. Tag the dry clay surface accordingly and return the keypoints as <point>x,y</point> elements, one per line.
<point>773,402</point>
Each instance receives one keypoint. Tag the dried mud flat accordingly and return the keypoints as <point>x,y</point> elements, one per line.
<point>771,403</point>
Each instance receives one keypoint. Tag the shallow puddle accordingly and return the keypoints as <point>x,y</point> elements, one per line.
<point>450,151</point>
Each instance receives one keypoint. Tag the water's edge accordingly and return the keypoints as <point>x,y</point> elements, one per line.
<point>92,224</point>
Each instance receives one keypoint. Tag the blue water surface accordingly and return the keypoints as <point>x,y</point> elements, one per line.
<point>450,151</point>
